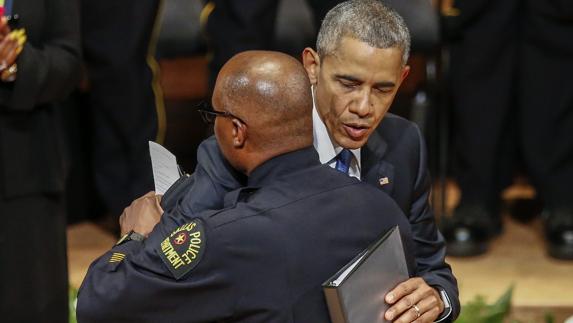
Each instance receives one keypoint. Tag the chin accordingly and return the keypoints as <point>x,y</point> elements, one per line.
<point>349,143</point>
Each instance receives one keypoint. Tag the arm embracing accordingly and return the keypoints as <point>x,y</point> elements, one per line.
<point>206,187</point>
<point>429,242</point>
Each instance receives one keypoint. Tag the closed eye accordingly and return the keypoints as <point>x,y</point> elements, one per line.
<point>347,81</point>
<point>384,89</point>
<point>348,84</point>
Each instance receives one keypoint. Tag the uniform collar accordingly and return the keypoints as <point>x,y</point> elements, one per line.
<point>283,165</point>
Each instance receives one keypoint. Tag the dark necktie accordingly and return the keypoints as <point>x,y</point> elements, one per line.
<point>343,161</point>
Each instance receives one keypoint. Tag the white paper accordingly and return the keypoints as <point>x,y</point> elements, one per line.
<point>164,164</point>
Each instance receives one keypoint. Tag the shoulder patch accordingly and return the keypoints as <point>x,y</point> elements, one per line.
<point>182,250</point>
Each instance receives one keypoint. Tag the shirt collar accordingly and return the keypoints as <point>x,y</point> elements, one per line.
<point>326,147</point>
<point>283,165</point>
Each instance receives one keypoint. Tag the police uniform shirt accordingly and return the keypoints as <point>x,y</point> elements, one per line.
<point>260,259</point>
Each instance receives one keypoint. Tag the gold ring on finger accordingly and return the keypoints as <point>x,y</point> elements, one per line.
<point>417,309</point>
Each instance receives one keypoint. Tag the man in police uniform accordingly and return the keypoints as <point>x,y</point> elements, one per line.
<point>263,257</point>
<point>355,73</point>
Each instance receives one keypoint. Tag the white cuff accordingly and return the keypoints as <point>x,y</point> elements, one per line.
<point>447,306</point>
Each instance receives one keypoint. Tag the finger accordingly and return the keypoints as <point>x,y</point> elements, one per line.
<point>4,28</point>
<point>158,204</point>
<point>429,305</point>
<point>149,194</point>
<point>423,299</point>
<point>13,54</point>
<point>402,307</point>
<point>403,289</point>
<point>409,315</point>
<point>429,316</point>
<point>6,46</point>
<point>406,301</point>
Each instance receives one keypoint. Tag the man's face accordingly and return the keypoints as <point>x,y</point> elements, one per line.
<point>354,88</point>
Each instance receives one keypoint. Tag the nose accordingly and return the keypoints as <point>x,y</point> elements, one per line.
<point>362,104</point>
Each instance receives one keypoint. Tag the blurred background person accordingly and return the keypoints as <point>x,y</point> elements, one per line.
<point>510,61</point>
<point>39,67</point>
<point>236,26</point>
<point>123,97</point>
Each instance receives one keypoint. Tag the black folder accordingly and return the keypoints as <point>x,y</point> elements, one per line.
<point>355,294</point>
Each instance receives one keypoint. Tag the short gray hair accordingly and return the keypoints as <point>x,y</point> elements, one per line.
<point>369,21</point>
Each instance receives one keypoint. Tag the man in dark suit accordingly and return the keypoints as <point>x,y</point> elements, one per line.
<point>355,73</point>
<point>124,100</point>
<point>263,257</point>
<point>235,26</point>
<point>38,73</point>
<point>526,65</point>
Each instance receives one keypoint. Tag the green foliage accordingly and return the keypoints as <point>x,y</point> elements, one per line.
<point>478,311</point>
<point>73,296</point>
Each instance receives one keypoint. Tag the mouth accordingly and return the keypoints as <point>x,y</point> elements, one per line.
<point>355,131</point>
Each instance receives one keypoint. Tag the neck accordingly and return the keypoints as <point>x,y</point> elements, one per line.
<point>252,161</point>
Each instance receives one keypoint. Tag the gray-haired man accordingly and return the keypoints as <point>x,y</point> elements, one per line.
<point>355,73</point>
<point>360,62</point>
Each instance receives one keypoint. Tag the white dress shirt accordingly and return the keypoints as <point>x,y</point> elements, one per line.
<point>328,149</point>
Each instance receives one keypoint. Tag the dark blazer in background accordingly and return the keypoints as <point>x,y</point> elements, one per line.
<point>510,101</point>
<point>124,100</point>
<point>33,265</point>
<point>48,69</point>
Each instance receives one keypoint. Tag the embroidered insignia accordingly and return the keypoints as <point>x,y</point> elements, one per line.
<point>383,181</point>
<point>116,257</point>
<point>182,250</point>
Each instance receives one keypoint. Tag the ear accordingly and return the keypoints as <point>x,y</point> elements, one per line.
<point>239,134</point>
<point>405,72</point>
<point>311,62</point>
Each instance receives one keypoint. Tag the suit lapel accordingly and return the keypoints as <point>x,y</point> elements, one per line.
<point>375,170</point>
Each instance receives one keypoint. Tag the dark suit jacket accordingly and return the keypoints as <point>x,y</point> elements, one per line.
<point>31,147</point>
<point>395,150</point>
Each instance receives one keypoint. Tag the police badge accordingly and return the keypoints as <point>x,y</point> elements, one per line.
<point>182,250</point>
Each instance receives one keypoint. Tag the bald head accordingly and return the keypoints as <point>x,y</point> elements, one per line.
<point>270,92</point>
<point>263,86</point>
